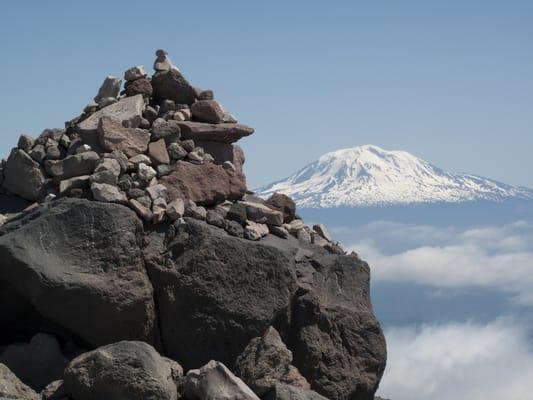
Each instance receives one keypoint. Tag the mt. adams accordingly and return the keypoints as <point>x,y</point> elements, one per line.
<point>368,176</point>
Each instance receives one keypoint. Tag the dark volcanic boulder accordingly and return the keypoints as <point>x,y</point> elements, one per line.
<point>335,339</point>
<point>205,184</point>
<point>172,85</point>
<point>286,392</point>
<point>123,370</point>
<point>217,293</point>
<point>75,266</point>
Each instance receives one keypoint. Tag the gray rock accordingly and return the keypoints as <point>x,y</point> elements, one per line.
<point>206,95</point>
<point>54,391</point>
<point>150,114</point>
<point>209,111</point>
<point>110,88</point>
<point>194,211</point>
<point>229,165</point>
<point>83,149</point>
<point>134,73</point>
<point>157,151</point>
<point>12,388</point>
<point>175,209</point>
<point>255,231</point>
<point>176,151</point>
<point>107,171</point>
<point>23,176</point>
<point>26,142</point>
<point>162,62</point>
<point>127,111</point>
<point>258,212</point>
<point>188,145</point>
<point>140,158</point>
<point>113,136</point>
<point>234,229</point>
<point>214,381</point>
<point>163,169</point>
<point>53,151</point>
<point>237,213</point>
<point>75,165</point>
<point>215,219</point>
<point>279,231</point>
<point>106,101</point>
<point>38,153</point>
<point>125,182</point>
<point>287,392</point>
<point>168,130</point>
<point>223,132</point>
<point>142,211</point>
<point>36,363</point>
<point>121,158</point>
<point>266,361</point>
<point>322,231</point>
<point>157,191</point>
<point>77,182</point>
<point>296,225</point>
<point>123,370</point>
<point>107,193</point>
<point>145,172</point>
<point>195,158</point>
<point>145,201</point>
<point>72,255</point>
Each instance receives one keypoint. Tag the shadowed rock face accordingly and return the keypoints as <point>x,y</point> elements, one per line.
<point>78,266</point>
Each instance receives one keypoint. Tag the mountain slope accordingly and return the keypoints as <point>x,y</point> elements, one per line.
<point>368,175</point>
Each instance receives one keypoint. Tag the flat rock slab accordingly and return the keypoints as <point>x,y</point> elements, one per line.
<point>127,111</point>
<point>205,184</point>
<point>113,136</point>
<point>226,132</point>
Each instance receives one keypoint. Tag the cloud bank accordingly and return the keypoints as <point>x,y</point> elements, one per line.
<point>499,257</point>
<point>459,361</point>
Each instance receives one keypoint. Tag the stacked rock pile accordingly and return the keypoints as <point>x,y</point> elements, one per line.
<point>135,264</point>
<point>160,146</point>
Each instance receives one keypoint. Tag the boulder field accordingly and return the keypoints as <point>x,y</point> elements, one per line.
<point>135,264</point>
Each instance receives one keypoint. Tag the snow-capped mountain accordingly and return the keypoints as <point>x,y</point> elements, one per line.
<point>368,175</point>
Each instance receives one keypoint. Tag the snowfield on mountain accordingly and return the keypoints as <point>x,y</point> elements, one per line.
<point>369,176</point>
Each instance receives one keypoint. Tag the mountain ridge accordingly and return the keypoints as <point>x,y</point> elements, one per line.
<point>371,176</point>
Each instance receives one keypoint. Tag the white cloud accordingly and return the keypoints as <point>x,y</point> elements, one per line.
<point>499,257</point>
<point>459,361</point>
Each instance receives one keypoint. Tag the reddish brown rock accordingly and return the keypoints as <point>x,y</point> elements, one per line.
<point>113,136</point>
<point>208,111</point>
<point>205,184</point>
<point>157,151</point>
<point>283,203</point>
<point>172,85</point>
<point>139,86</point>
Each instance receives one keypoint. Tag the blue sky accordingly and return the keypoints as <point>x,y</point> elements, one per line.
<point>451,82</point>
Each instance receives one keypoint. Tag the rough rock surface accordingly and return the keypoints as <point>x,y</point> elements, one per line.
<point>173,86</point>
<point>12,388</point>
<point>126,111</point>
<point>113,136</point>
<point>205,184</point>
<point>123,370</point>
<point>214,381</point>
<point>72,265</point>
<point>23,176</point>
<point>266,361</point>
<point>210,302</point>
<point>225,132</point>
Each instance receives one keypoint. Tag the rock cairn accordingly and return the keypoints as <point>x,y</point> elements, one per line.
<point>161,147</point>
<point>135,264</point>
